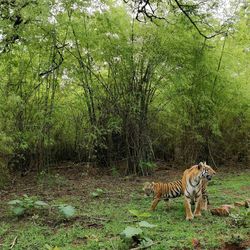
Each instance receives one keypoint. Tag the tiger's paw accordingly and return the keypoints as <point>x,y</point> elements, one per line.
<point>189,218</point>
<point>197,214</point>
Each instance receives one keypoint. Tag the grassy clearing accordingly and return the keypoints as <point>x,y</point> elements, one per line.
<point>101,219</point>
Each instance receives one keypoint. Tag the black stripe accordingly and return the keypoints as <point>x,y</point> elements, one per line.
<point>192,183</point>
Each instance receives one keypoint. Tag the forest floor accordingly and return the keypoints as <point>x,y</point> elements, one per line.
<point>103,203</point>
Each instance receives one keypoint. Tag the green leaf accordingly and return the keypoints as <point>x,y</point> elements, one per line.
<point>139,214</point>
<point>129,232</point>
<point>145,214</point>
<point>47,246</point>
<point>18,211</point>
<point>41,204</point>
<point>146,224</point>
<point>51,248</point>
<point>15,202</point>
<point>67,210</point>
<point>95,194</point>
<point>98,192</point>
<point>146,242</point>
<point>134,212</point>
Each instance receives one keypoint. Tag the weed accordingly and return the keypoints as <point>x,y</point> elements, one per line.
<point>29,205</point>
<point>50,180</point>
<point>241,219</point>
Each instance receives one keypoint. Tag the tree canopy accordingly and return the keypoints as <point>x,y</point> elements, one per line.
<point>134,81</point>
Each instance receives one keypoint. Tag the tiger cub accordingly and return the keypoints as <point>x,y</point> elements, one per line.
<point>194,184</point>
<point>162,190</point>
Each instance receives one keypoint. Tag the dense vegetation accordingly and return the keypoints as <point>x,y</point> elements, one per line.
<point>88,81</point>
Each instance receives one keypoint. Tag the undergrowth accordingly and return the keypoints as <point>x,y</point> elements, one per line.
<point>116,219</point>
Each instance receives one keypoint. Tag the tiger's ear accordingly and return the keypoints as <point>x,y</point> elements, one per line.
<point>200,165</point>
<point>204,163</point>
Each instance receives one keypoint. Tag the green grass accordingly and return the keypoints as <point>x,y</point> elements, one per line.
<point>172,231</point>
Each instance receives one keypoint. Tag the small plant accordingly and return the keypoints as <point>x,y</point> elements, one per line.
<point>28,205</point>
<point>4,174</point>
<point>236,239</point>
<point>97,193</point>
<point>241,219</point>
<point>49,180</point>
<point>48,247</point>
<point>66,211</point>
<point>134,236</point>
<point>114,171</point>
<point>146,167</point>
<point>6,149</point>
<point>139,214</point>
<point>146,224</point>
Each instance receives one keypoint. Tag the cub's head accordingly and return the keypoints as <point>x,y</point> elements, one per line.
<point>206,171</point>
<point>148,188</point>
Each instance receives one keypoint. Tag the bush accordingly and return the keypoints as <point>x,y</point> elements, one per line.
<point>29,205</point>
<point>4,174</point>
<point>5,152</point>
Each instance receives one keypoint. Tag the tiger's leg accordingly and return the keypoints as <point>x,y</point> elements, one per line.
<point>198,206</point>
<point>155,202</point>
<point>204,203</point>
<point>188,210</point>
<point>208,203</point>
<point>205,200</point>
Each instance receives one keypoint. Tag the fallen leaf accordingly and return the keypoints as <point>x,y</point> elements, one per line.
<point>196,243</point>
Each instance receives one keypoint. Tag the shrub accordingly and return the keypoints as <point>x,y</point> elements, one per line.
<point>29,205</point>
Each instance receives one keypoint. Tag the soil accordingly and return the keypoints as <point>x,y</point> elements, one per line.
<point>80,181</point>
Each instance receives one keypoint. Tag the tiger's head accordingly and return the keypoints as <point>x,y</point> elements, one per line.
<point>206,171</point>
<point>148,188</point>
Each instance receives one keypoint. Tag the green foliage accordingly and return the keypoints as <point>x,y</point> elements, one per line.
<point>146,224</point>
<point>66,210</point>
<point>101,87</point>
<point>97,193</point>
<point>241,219</point>
<point>130,232</point>
<point>4,174</point>
<point>236,239</point>
<point>146,167</point>
<point>26,205</point>
<point>48,247</point>
<point>94,232</point>
<point>139,214</point>
<point>50,180</point>
<point>134,236</point>
<point>6,150</point>
<point>29,205</point>
<point>114,172</point>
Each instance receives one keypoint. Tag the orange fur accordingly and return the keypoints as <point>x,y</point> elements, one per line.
<point>194,183</point>
<point>162,190</point>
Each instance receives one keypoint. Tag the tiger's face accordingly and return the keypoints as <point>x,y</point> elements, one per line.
<point>148,188</point>
<point>206,171</point>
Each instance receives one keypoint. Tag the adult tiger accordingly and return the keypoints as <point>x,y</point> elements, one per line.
<point>162,190</point>
<point>194,184</point>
